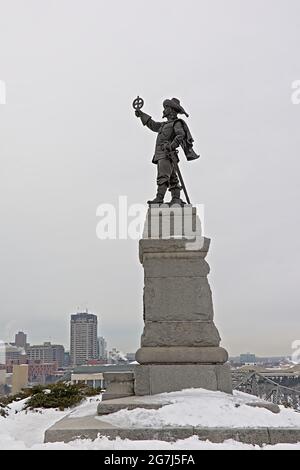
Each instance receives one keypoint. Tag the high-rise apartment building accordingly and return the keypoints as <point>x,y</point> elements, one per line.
<point>20,340</point>
<point>102,348</point>
<point>83,341</point>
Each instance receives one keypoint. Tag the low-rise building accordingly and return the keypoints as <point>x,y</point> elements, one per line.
<point>19,378</point>
<point>94,380</point>
<point>41,372</point>
<point>248,359</point>
<point>93,375</point>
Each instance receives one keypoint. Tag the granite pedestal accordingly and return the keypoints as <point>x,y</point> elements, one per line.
<point>180,344</point>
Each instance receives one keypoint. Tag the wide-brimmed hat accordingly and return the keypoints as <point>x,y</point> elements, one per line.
<point>174,103</point>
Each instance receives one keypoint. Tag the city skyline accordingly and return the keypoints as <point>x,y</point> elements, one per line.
<point>70,142</point>
<point>67,346</point>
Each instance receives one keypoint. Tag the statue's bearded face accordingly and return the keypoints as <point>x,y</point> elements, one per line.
<point>168,111</point>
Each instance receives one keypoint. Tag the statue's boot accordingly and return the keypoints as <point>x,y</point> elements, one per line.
<point>161,191</point>
<point>175,192</point>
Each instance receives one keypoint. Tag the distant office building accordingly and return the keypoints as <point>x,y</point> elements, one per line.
<point>47,353</point>
<point>248,358</point>
<point>14,355</point>
<point>102,348</point>
<point>83,342</point>
<point>58,354</point>
<point>67,359</point>
<point>21,340</point>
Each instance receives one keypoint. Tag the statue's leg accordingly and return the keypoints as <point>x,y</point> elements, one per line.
<point>175,189</point>
<point>164,170</point>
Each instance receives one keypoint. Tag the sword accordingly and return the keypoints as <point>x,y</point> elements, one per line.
<point>171,156</point>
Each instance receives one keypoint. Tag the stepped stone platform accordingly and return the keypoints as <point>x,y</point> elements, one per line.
<point>91,427</point>
<point>94,426</point>
<point>68,430</point>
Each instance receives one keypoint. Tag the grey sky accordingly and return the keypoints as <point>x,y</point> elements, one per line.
<point>69,141</point>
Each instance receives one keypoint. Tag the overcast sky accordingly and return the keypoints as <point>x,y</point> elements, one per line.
<point>69,141</point>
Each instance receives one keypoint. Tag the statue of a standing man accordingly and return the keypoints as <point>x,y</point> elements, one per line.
<point>172,134</point>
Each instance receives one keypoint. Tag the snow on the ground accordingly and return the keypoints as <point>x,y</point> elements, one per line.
<point>198,407</point>
<point>25,429</point>
<point>87,408</point>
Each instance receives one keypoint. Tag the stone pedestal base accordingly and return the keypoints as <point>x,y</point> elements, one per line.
<point>180,344</point>
<point>160,378</point>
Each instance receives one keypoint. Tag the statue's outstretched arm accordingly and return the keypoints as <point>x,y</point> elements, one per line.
<point>148,121</point>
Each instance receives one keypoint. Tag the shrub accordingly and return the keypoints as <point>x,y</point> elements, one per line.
<point>59,395</point>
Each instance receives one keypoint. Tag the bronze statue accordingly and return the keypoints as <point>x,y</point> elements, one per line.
<point>172,134</point>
